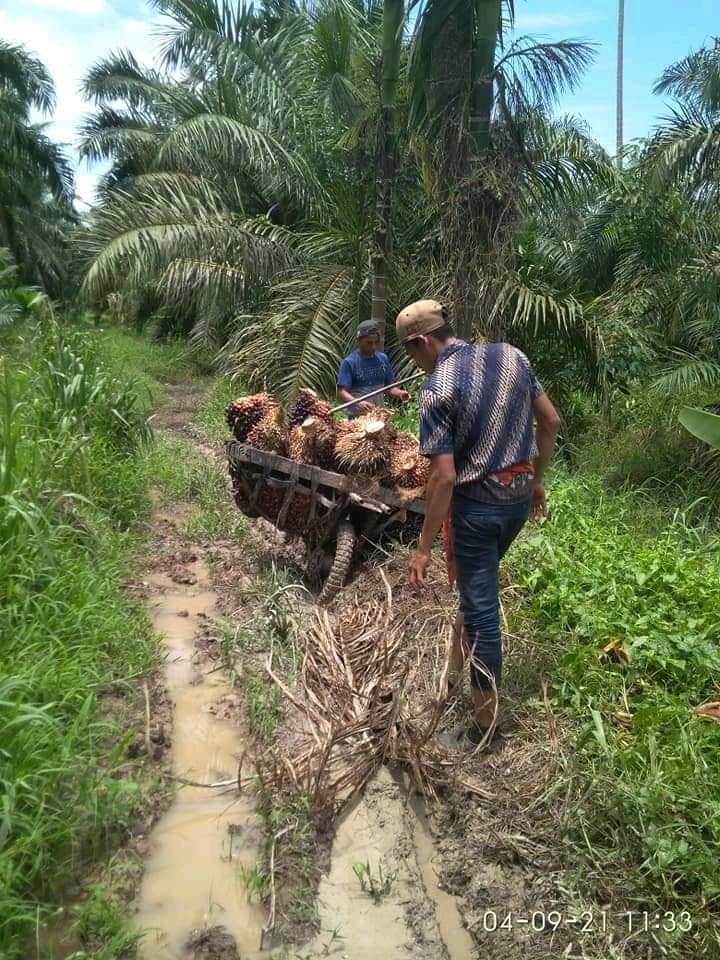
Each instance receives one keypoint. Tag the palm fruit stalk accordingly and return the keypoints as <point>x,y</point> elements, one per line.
<point>246,412</point>
<point>364,445</point>
<point>270,433</point>
<point>309,404</point>
<point>313,442</point>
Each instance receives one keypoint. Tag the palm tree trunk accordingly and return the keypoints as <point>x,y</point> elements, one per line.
<point>487,27</point>
<point>385,159</point>
<point>619,104</point>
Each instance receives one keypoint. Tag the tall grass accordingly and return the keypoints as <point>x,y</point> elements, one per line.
<point>69,435</point>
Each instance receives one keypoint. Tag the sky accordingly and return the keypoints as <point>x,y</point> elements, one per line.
<point>70,35</point>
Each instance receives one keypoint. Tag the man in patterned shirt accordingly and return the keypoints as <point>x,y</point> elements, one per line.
<point>478,411</point>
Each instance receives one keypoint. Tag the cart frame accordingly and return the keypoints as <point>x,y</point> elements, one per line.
<point>357,511</point>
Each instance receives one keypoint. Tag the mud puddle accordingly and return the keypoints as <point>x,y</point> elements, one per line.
<point>401,912</point>
<point>456,938</point>
<point>197,849</point>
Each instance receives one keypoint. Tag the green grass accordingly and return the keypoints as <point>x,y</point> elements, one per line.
<point>72,498</point>
<point>177,472</point>
<point>149,364</point>
<point>210,415</point>
<point>641,769</point>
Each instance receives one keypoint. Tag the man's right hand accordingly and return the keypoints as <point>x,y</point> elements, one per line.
<point>365,406</point>
<point>538,506</point>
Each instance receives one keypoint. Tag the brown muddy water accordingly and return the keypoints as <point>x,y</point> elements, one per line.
<point>192,876</point>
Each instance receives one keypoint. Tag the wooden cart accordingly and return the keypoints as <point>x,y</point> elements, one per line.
<point>338,517</point>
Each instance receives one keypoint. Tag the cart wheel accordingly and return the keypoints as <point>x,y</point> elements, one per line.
<point>341,565</point>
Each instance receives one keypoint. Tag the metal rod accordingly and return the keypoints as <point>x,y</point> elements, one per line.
<point>374,393</point>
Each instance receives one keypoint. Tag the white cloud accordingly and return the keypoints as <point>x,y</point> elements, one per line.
<point>86,7</point>
<point>68,46</point>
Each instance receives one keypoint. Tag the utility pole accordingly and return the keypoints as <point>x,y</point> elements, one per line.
<point>619,103</point>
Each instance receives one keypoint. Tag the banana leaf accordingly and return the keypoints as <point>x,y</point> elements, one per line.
<point>702,424</point>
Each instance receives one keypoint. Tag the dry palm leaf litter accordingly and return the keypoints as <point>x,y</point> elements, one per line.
<point>357,707</point>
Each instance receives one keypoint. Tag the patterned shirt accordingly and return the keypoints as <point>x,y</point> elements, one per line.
<point>361,375</point>
<point>478,404</point>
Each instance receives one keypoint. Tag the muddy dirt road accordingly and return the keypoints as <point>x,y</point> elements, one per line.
<point>381,896</point>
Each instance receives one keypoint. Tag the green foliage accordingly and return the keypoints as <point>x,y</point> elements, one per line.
<point>273,265</point>
<point>35,175</point>
<point>702,424</point>
<point>263,707</point>
<point>642,769</point>
<point>69,436</point>
<point>209,416</point>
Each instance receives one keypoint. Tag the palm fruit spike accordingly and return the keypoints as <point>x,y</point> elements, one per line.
<point>364,445</point>
<point>408,468</point>
<point>309,404</point>
<point>313,442</point>
<point>244,413</point>
<point>270,433</point>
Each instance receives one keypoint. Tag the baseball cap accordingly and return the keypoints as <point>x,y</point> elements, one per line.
<point>368,328</point>
<point>420,318</point>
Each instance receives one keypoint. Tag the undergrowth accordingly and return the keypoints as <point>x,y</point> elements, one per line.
<point>638,780</point>
<point>72,498</point>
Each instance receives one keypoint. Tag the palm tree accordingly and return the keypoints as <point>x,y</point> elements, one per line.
<point>476,101</point>
<point>686,147</point>
<point>393,20</point>
<point>35,176</point>
<point>619,88</point>
<point>241,118</point>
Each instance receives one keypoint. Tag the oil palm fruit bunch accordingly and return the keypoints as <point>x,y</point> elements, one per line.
<point>313,442</point>
<point>309,404</point>
<point>364,445</point>
<point>246,412</point>
<point>270,433</point>
<point>270,503</point>
<point>408,468</point>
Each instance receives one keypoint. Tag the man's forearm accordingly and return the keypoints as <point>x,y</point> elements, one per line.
<point>546,440</point>
<point>345,395</point>
<point>438,496</point>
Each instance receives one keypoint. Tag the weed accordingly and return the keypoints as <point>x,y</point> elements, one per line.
<point>71,435</point>
<point>256,880</point>
<point>263,706</point>
<point>377,884</point>
<point>302,907</point>
<point>641,772</point>
<point>209,417</point>
<point>334,935</point>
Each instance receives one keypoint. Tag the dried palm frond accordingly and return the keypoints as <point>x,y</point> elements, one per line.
<point>352,697</point>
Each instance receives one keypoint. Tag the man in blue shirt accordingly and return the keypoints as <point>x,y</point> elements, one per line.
<point>364,370</point>
<point>489,430</point>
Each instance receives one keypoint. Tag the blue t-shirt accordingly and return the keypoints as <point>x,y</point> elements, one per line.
<point>478,405</point>
<point>360,375</point>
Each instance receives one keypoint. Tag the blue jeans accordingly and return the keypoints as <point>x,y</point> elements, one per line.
<point>481,535</point>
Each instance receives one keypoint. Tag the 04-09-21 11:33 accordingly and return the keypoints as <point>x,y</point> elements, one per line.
<point>589,921</point>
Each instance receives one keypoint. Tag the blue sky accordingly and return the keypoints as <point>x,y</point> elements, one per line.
<point>69,35</point>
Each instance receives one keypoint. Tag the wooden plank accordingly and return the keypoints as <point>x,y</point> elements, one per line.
<point>241,453</point>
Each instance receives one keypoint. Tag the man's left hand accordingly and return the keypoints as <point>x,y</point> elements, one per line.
<point>403,396</point>
<point>418,567</point>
